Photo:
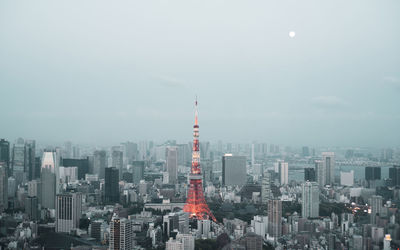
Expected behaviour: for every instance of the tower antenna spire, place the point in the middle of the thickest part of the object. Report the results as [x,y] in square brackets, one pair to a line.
[196,204]
[196,122]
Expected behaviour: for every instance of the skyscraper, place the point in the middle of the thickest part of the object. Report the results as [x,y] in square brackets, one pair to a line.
[310,200]
[394,174]
[328,162]
[68,211]
[233,170]
[3,187]
[117,160]
[305,151]
[266,191]
[309,174]
[320,173]
[31,207]
[172,163]
[121,234]
[347,178]
[372,173]
[30,162]
[130,151]
[49,179]
[138,171]
[19,161]
[283,173]
[5,154]
[111,186]
[275,218]
[99,163]
[81,164]
[376,207]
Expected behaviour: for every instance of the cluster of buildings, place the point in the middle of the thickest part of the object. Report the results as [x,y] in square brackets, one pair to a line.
[132,196]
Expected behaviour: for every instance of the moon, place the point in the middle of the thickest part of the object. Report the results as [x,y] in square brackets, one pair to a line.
[292,34]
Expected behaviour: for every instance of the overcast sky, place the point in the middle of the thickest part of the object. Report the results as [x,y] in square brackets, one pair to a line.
[110,71]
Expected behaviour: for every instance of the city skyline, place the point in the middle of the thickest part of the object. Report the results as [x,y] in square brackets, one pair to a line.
[100,143]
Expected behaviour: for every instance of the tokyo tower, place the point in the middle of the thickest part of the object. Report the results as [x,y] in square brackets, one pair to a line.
[196,205]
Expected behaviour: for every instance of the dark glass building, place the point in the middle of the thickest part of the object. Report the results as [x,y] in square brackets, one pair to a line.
[111,185]
[128,177]
[30,148]
[31,207]
[309,174]
[5,153]
[394,175]
[372,173]
[82,164]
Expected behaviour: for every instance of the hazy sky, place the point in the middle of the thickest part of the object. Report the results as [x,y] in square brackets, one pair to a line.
[110,71]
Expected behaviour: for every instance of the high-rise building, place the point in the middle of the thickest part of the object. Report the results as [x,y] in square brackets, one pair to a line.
[233,170]
[310,200]
[275,218]
[3,187]
[328,162]
[130,151]
[34,188]
[347,178]
[183,154]
[207,170]
[49,179]
[67,152]
[394,174]
[309,174]
[11,187]
[320,173]
[203,228]
[19,161]
[81,164]
[283,173]
[372,173]
[96,228]
[38,168]
[5,154]
[30,162]
[31,207]
[117,160]
[305,151]
[68,174]
[176,221]
[68,211]
[266,187]
[171,156]
[138,171]
[376,207]
[111,185]
[121,234]
[99,163]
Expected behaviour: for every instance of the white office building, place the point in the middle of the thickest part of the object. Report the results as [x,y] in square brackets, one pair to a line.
[310,200]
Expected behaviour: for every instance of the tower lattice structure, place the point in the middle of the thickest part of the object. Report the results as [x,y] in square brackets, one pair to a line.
[196,205]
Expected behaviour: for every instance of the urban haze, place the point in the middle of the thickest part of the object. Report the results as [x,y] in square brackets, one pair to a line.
[185,125]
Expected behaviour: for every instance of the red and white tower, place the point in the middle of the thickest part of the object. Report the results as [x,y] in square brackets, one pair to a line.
[196,205]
